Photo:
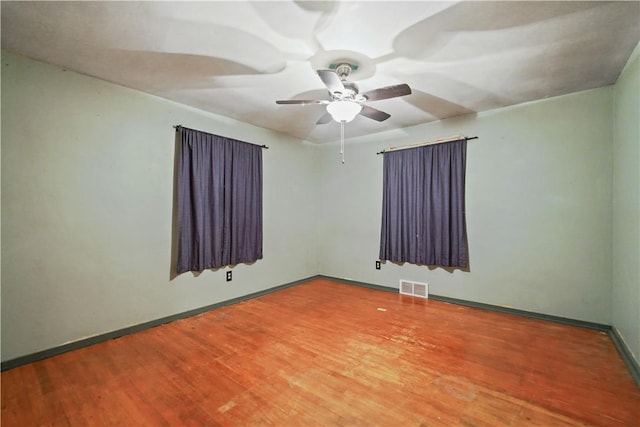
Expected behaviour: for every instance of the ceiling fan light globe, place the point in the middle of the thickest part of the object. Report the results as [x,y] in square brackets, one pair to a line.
[344,111]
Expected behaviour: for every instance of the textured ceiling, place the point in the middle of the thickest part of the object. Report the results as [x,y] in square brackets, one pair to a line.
[237,58]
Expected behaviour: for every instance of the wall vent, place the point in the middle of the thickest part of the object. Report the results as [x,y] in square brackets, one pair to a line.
[415,289]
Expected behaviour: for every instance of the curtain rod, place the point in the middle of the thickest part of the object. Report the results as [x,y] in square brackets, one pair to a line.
[437,141]
[176,127]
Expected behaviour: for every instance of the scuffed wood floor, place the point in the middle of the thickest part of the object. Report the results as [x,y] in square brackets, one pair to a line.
[329,354]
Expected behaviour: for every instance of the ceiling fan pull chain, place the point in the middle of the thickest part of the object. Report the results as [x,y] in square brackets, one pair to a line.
[342,141]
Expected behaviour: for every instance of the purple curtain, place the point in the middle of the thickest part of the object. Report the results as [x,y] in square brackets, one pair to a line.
[423,217]
[219,201]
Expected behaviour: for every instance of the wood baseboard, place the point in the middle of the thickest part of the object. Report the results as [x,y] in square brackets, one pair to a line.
[627,356]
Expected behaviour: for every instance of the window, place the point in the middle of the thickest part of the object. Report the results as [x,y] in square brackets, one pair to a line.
[219,201]
[423,217]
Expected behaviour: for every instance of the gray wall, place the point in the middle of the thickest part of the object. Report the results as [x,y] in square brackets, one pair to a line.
[87,193]
[626,206]
[538,205]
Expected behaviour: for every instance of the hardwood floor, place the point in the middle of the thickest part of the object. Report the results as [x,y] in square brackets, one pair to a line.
[324,353]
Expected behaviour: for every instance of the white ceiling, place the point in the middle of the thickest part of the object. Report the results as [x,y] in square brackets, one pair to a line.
[237,58]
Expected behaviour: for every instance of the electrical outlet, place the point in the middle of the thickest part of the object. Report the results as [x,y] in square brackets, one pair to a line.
[377,265]
[229,276]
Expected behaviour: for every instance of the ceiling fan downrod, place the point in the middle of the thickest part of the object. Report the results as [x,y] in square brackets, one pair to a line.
[343,70]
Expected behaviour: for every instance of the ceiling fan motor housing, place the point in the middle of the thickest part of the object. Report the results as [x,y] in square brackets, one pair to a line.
[350,92]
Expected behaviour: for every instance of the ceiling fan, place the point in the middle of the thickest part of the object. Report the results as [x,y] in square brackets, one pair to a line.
[346,100]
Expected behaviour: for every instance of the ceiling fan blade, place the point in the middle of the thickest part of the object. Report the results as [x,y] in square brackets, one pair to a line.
[331,80]
[326,118]
[302,101]
[388,92]
[374,114]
